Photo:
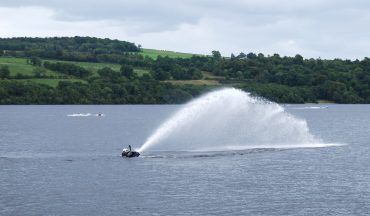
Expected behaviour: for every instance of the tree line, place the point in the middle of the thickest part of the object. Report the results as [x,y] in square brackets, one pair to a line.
[87,49]
[96,92]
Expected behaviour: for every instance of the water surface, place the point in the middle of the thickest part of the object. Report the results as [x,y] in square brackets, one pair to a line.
[55,164]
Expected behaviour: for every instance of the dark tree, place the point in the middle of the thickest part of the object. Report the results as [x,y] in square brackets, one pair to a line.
[35,61]
[4,72]
[67,68]
[216,54]
[109,74]
[298,59]
[39,72]
[127,71]
[251,56]
[242,55]
[160,74]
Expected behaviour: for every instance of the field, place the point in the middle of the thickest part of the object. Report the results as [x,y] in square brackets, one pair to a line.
[152,53]
[20,66]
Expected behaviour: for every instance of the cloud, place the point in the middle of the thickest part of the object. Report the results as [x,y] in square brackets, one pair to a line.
[315,28]
[39,22]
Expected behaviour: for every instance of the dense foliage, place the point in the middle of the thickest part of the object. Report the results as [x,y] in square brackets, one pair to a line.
[4,72]
[68,48]
[281,79]
[67,68]
[294,79]
[95,92]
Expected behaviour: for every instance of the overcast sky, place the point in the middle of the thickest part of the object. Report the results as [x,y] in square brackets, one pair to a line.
[312,28]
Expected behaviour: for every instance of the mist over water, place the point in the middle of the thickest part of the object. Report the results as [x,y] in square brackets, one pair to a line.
[230,119]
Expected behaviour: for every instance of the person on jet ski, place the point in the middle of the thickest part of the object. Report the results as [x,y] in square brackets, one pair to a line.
[130,153]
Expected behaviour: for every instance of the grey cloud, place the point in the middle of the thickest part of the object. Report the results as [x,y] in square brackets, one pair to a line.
[172,13]
[149,15]
[168,14]
[326,28]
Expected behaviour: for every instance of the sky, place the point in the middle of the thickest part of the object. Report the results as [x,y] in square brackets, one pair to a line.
[324,29]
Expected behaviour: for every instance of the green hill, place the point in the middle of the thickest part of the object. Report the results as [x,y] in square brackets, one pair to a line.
[85,70]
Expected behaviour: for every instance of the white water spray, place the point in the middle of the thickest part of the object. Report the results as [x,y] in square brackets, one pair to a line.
[230,119]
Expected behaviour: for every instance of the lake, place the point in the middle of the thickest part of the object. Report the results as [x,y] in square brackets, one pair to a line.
[55,161]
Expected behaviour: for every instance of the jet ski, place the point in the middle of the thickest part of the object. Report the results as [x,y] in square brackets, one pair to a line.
[129,153]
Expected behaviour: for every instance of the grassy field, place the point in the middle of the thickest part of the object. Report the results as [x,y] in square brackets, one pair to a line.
[152,53]
[20,66]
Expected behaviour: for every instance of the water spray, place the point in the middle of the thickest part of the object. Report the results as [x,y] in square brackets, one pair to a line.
[230,119]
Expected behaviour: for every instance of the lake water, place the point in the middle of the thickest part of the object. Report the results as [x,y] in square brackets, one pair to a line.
[55,164]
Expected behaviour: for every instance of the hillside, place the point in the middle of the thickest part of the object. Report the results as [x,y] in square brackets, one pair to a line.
[152,53]
[84,70]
